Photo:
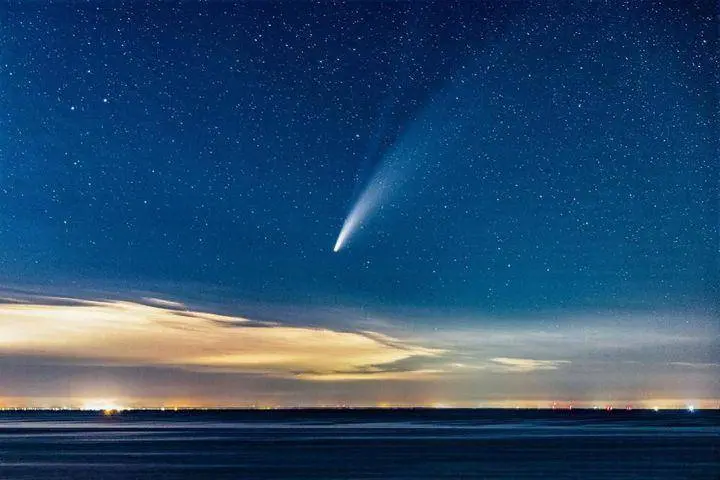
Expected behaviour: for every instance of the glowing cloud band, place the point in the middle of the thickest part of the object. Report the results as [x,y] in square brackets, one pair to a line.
[126,333]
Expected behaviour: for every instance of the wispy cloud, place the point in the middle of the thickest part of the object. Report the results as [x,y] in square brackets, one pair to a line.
[158,333]
[161,302]
[695,365]
[421,374]
[524,365]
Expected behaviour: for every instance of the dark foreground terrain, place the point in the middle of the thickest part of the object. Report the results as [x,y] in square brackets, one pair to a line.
[354,444]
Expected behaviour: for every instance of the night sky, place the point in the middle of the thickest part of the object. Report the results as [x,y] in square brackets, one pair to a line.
[531,189]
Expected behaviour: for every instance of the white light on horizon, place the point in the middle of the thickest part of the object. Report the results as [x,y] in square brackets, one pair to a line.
[102,405]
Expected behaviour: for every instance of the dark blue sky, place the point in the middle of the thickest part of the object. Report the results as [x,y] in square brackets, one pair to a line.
[544,159]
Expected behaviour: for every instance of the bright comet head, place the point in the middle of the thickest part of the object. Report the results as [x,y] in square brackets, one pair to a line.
[365,204]
[341,239]
[350,224]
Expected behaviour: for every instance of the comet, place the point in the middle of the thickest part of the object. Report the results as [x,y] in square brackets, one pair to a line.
[433,135]
[388,179]
[369,200]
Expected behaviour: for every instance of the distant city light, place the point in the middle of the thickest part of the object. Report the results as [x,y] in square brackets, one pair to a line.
[106,406]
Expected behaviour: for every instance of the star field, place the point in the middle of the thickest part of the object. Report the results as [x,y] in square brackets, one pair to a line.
[548,161]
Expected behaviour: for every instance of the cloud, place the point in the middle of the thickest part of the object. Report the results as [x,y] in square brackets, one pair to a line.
[524,365]
[159,334]
[422,374]
[161,302]
[695,365]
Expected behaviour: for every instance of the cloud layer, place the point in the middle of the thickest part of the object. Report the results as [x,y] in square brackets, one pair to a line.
[523,365]
[149,349]
[164,334]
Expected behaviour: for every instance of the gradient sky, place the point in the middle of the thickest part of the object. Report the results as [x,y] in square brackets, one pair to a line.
[537,188]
